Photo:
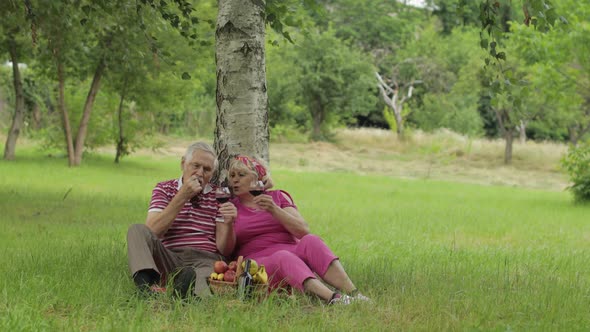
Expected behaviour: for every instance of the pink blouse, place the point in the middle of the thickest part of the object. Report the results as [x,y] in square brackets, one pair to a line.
[258,234]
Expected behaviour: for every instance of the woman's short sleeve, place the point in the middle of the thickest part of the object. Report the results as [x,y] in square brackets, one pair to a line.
[283,199]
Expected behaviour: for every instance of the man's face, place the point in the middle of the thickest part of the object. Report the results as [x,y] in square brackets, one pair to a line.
[200,165]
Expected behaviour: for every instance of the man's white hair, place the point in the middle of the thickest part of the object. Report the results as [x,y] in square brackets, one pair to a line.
[203,147]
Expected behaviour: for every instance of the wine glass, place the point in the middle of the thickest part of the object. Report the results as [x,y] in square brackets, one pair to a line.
[222,194]
[256,188]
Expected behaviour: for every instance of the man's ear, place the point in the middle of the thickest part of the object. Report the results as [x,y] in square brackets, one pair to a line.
[182,163]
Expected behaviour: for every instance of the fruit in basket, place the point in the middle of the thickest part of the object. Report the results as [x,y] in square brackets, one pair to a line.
[253,266]
[229,276]
[233,265]
[220,267]
[220,276]
[261,276]
[213,276]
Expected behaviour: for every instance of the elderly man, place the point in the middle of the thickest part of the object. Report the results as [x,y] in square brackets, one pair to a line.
[185,230]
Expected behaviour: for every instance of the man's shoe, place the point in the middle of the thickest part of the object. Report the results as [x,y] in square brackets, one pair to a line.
[184,281]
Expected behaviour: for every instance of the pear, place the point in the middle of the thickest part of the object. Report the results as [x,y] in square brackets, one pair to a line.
[253,267]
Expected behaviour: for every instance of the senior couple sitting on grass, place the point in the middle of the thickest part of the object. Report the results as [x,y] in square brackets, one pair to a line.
[187,230]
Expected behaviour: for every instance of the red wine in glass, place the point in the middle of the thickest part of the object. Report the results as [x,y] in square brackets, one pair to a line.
[256,188]
[256,192]
[222,194]
[222,199]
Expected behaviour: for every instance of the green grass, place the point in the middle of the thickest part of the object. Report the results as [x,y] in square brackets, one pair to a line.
[433,255]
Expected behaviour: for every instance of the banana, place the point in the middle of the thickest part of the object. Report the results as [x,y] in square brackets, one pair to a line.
[261,276]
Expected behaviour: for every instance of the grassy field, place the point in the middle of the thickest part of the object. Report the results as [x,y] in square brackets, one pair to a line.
[434,255]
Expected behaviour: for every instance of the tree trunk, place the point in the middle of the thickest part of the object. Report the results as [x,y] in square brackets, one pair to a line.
[522,132]
[317,119]
[573,134]
[36,116]
[19,108]
[509,137]
[121,150]
[242,104]
[61,104]
[399,122]
[83,128]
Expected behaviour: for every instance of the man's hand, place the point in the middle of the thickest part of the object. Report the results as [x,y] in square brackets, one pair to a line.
[192,187]
[229,212]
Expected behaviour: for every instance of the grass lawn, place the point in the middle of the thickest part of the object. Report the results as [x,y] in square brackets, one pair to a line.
[433,255]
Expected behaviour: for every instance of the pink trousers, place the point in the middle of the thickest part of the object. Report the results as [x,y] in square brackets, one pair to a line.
[294,263]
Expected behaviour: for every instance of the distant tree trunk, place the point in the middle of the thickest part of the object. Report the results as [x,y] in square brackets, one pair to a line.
[242,102]
[83,128]
[2,103]
[507,131]
[36,116]
[573,134]
[522,131]
[121,149]
[317,120]
[509,137]
[576,132]
[19,108]
[391,96]
[61,104]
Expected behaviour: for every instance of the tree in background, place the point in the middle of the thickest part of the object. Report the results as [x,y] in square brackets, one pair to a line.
[13,31]
[336,81]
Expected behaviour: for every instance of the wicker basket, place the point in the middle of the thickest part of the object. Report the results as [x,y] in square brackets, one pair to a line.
[219,287]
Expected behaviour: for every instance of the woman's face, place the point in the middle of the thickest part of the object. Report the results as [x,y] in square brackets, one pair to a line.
[240,180]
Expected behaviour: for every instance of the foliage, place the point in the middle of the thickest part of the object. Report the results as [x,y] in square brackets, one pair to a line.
[336,81]
[577,165]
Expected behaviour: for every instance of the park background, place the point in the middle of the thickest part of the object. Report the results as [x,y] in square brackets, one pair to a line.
[430,163]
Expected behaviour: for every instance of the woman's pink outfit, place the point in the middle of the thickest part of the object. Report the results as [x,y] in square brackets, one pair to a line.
[267,241]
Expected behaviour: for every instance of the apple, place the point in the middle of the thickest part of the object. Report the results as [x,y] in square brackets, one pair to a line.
[213,275]
[220,267]
[220,276]
[229,276]
[233,265]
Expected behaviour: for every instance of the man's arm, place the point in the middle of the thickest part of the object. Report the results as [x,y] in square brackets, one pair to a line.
[159,221]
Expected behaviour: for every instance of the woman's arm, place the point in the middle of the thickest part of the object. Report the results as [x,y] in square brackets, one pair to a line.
[225,236]
[291,219]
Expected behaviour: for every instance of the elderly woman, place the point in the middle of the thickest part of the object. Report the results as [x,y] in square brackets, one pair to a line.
[270,230]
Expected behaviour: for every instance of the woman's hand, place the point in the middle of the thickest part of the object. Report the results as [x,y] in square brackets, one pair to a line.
[229,212]
[265,202]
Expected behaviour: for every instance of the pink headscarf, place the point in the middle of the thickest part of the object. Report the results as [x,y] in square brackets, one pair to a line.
[252,164]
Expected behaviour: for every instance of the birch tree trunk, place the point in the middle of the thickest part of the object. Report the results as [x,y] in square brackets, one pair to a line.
[19,108]
[242,105]
[83,128]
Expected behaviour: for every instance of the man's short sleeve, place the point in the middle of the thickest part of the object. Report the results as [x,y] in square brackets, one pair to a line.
[160,199]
